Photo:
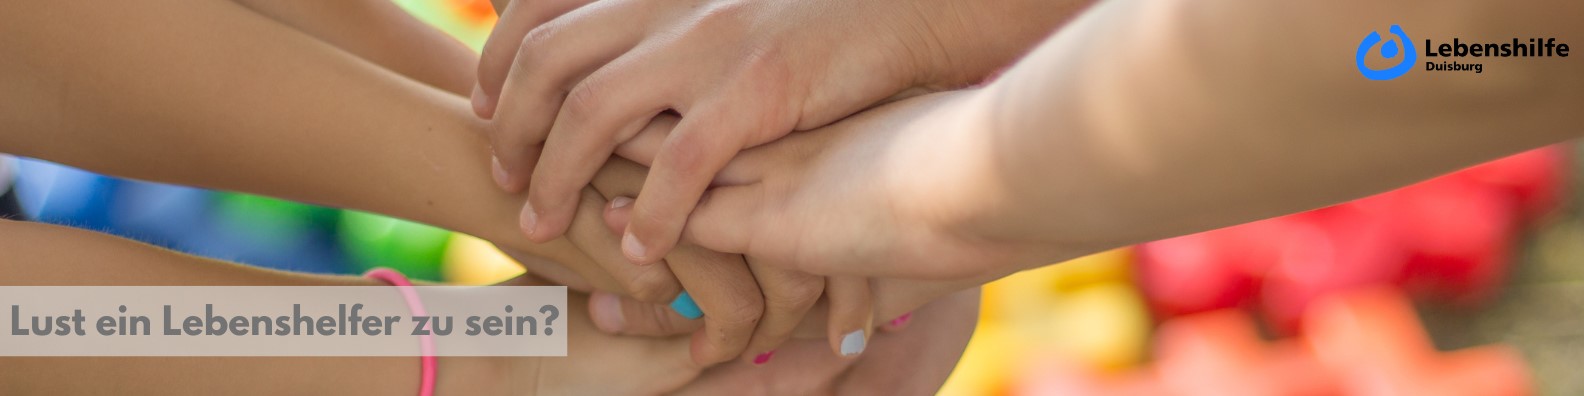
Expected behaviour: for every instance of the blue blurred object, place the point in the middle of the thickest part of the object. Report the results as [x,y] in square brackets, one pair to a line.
[234,227]
[7,163]
[9,209]
[161,214]
[58,194]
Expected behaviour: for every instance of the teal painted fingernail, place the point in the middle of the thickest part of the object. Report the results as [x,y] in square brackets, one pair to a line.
[685,306]
[853,343]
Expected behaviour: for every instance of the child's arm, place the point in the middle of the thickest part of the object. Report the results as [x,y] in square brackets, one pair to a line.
[214,95]
[1197,115]
[47,255]
[1143,120]
[380,32]
[210,94]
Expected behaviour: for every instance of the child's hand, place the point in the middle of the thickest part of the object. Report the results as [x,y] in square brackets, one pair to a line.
[928,350]
[741,73]
[789,296]
[647,365]
[870,196]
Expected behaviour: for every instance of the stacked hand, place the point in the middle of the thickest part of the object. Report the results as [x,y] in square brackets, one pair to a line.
[683,86]
[566,90]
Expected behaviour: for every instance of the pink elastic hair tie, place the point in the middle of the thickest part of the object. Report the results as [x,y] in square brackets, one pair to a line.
[426,386]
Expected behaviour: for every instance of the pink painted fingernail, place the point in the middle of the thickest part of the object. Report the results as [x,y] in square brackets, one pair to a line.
[529,220]
[481,103]
[501,178]
[605,310]
[901,320]
[764,357]
[635,249]
[620,202]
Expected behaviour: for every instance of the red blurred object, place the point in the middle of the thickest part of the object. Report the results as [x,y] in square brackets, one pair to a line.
[1342,248]
[1459,236]
[1219,353]
[1448,239]
[1194,273]
[1365,342]
[1534,178]
[1373,341]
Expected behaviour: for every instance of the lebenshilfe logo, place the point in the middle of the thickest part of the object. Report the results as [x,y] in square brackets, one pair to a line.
[1534,47]
[1387,51]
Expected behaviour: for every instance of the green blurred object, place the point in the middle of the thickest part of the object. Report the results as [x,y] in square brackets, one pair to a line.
[271,221]
[377,241]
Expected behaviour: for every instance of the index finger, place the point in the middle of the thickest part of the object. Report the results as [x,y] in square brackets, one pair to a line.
[516,20]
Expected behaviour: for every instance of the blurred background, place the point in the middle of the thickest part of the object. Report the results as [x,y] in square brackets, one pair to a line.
[1471,283]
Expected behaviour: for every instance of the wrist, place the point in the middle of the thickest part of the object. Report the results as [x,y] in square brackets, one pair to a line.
[944,178]
[982,190]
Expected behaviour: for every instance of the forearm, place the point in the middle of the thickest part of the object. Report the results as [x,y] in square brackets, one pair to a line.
[1145,120]
[381,32]
[47,255]
[213,95]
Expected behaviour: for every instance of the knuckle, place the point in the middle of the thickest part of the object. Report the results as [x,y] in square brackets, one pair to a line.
[798,295]
[740,312]
[766,60]
[734,15]
[583,101]
[687,154]
[650,287]
[590,199]
[536,41]
[537,38]
[647,222]
[548,193]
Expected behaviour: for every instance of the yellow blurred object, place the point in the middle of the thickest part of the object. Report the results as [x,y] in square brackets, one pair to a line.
[989,364]
[1085,311]
[1105,326]
[1028,294]
[473,261]
[1105,267]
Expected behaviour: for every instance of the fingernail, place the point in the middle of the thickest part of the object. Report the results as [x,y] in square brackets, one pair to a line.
[633,248]
[853,343]
[481,103]
[684,305]
[764,357]
[901,320]
[605,309]
[620,202]
[501,178]
[529,220]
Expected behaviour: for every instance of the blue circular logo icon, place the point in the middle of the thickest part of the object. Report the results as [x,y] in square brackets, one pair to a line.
[1388,50]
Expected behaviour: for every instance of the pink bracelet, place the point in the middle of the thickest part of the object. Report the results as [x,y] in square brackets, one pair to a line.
[426,386]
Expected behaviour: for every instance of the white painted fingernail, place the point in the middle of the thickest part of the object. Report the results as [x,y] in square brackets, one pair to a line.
[853,343]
